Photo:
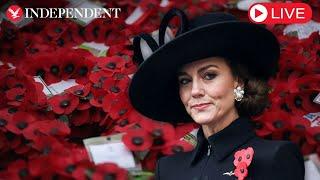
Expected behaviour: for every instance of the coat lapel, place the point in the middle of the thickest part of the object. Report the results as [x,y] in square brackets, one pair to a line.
[224,142]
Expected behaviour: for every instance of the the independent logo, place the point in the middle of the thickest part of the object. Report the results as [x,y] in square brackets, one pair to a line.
[14,13]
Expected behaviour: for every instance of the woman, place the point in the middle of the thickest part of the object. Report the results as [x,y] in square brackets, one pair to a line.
[214,73]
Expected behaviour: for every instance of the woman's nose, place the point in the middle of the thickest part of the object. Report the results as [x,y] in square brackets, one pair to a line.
[197,89]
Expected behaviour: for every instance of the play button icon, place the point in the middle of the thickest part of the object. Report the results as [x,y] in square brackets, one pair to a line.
[258,13]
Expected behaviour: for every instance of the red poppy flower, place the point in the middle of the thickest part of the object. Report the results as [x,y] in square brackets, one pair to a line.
[241,171]
[20,122]
[185,128]
[29,39]
[47,145]
[243,155]
[24,148]
[84,170]
[137,140]
[128,121]
[46,66]
[18,170]
[260,126]
[5,71]
[109,171]
[5,118]
[97,77]
[149,161]
[279,90]
[15,96]
[116,84]
[12,50]
[98,96]
[36,167]
[112,64]
[291,63]
[116,105]
[307,148]
[117,33]
[307,82]
[147,5]
[63,104]
[35,66]
[54,29]
[124,49]
[95,31]
[302,103]
[69,62]
[277,122]
[38,48]
[83,70]
[298,128]
[47,127]
[123,126]
[177,146]
[314,67]
[64,165]
[313,52]
[313,135]
[4,143]
[53,70]
[79,90]
[162,133]
[84,102]
[33,131]
[35,98]
[16,79]
[76,32]
[80,118]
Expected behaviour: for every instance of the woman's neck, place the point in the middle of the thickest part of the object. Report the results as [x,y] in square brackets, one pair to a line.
[219,124]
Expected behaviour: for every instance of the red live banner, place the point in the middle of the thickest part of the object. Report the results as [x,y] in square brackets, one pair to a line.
[280,13]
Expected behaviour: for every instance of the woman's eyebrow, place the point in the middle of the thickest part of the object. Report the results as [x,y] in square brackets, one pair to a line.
[207,66]
[200,70]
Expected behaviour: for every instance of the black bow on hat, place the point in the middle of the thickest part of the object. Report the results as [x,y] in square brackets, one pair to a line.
[153,45]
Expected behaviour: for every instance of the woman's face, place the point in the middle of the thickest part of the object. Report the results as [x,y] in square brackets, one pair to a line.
[206,90]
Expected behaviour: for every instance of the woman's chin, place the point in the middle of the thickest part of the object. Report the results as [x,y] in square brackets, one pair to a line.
[203,119]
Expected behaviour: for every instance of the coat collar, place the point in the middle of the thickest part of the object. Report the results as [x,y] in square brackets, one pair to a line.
[225,141]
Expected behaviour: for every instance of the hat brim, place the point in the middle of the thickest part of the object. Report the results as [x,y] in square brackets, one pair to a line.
[154,87]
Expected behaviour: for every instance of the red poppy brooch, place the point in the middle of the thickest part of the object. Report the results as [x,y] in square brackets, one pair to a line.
[242,160]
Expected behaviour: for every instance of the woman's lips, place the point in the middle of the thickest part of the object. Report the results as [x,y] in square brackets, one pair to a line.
[200,106]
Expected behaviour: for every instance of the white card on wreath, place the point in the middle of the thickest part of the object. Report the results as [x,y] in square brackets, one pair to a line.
[97,49]
[312,173]
[59,87]
[314,119]
[303,30]
[46,90]
[317,99]
[116,153]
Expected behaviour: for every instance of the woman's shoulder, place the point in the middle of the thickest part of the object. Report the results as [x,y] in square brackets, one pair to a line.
[172,165]
[274,147]
[282,159]
[176,158]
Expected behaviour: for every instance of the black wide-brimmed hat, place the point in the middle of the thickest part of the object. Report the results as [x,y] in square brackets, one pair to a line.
[154,90]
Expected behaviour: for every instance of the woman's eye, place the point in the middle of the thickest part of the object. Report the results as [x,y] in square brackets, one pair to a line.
[209,76]
[183,81]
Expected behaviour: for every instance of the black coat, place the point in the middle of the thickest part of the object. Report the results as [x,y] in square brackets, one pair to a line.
[272,160]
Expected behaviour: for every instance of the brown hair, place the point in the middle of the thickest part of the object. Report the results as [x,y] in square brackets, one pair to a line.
[255,98]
